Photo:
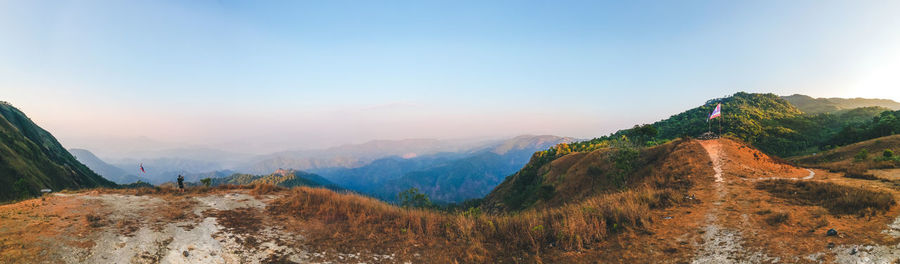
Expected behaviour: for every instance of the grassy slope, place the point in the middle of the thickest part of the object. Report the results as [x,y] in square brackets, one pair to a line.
[31,156]
[578,176]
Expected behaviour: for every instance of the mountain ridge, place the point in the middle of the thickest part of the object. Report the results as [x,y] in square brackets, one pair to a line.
[808,104]
[104,169]
[32,159]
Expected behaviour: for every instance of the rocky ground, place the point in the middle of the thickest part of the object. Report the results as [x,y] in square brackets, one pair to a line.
[230,227]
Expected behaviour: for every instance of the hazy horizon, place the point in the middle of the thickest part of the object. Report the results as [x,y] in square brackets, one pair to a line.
[260,77]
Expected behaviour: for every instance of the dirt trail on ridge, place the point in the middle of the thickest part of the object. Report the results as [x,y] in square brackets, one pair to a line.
[721,244]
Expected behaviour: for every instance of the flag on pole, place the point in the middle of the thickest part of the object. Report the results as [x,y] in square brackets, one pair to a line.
[716,113]
[142,168]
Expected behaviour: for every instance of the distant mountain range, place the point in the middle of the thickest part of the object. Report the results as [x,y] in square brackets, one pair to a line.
[811,105]
[281,177]
[445,177]
[106,170]
[31,159]
[160,170]
[356,155]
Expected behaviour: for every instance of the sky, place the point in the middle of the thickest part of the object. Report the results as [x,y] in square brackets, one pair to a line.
[263,76]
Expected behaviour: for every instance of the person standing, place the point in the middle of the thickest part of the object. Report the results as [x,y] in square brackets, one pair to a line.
[181,182]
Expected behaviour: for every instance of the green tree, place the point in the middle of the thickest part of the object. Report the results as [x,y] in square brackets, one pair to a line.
[624,159]
[862,155]
[641,134]
[206,181]
[413,198]
[888,153]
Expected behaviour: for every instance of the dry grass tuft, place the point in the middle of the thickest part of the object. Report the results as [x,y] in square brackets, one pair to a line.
[838,199]
[853,170]
[263,189]
[777,218]
[94,220]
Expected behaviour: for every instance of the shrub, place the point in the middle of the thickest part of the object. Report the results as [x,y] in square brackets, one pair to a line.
[413,198]
[888,153]
[777,218]
[206,182]
[94,221]
[263,189]
[625,160]
[858,172]
[862,155]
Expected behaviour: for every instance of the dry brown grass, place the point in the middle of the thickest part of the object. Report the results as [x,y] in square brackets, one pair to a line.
[777,218]
[570,227]
[585,220]
[94,220]
[838,199]
[263,189]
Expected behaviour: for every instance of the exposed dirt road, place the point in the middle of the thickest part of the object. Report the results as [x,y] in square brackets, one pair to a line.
[721,244]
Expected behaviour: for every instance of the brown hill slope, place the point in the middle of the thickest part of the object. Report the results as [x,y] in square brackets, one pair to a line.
[675,165]
[581,175]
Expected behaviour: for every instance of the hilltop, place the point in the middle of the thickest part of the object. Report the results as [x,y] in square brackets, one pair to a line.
[32,159]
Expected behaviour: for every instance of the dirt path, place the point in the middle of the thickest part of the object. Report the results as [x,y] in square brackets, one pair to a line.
[811,175]
[722,244]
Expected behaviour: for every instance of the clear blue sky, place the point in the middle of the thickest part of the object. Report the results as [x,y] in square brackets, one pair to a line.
[297,74]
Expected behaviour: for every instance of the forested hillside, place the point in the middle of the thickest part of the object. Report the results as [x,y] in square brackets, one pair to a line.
[31,159]
[884,124]
[766,121]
